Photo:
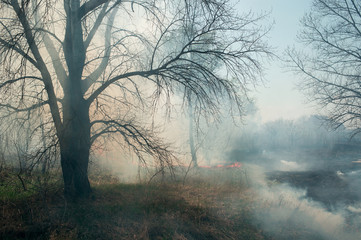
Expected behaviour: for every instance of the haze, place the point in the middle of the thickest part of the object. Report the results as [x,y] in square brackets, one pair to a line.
[149,119]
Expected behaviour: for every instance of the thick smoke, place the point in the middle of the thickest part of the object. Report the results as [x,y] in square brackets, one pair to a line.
[305,176]
[287,213]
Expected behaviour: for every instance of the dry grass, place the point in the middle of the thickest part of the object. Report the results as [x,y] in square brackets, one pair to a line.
[203,207]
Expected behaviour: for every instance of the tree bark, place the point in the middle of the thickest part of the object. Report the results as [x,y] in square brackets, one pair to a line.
[75,133]
[75,148]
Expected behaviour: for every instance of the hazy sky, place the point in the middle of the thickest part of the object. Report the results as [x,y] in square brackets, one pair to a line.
[280,98]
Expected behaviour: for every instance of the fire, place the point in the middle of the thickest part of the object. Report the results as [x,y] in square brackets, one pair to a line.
[233,165]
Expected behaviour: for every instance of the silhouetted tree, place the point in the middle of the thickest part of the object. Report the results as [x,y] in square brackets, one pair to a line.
[331,60]
[91,67]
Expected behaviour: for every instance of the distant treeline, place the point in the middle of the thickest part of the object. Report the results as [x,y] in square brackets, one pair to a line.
[305,133]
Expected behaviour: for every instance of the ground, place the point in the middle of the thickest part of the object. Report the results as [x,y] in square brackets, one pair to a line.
[190,209]
[209,203]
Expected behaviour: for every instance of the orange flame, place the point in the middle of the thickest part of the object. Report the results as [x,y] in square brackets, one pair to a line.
[234,165]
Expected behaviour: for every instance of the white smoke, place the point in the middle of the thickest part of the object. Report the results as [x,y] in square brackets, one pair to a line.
[286,212]
[289,166]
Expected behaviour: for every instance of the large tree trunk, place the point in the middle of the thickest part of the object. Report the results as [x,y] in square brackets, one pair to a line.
[75,148]
[75,135]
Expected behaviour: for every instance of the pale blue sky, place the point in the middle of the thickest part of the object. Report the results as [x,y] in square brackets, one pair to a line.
[280,98]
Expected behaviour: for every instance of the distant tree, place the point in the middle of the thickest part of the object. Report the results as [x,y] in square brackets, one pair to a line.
[331,60]
[193,113]
[91,68]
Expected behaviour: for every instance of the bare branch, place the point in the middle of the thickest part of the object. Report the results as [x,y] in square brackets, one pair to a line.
[9,46]
[107,48]
[8,82]
[139,140]
[96,25]
[27,109]
[40,64]
[89,6]
[56,61]
[331,72]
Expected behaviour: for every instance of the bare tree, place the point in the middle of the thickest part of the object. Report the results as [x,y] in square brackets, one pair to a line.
[92,67]
[331,61]
[187,33]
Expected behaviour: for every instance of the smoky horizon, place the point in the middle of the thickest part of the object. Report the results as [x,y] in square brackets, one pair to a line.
[180,119]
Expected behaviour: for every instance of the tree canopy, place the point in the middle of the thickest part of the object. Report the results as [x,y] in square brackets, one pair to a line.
[331,60]
[88,69]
